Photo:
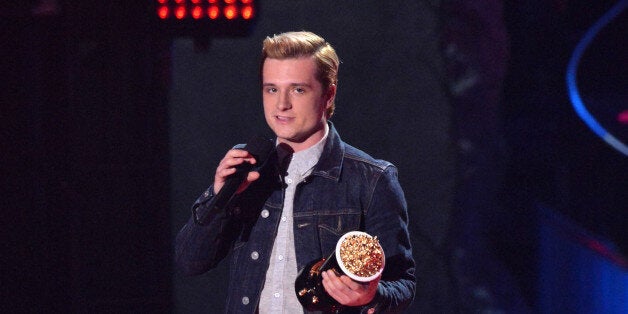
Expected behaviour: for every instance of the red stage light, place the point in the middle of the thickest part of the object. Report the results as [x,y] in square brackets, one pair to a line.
[247,12]
[163,12]
[180,12]
[231,12]
[197,12]
[206,17]
[212,9]
[213,12]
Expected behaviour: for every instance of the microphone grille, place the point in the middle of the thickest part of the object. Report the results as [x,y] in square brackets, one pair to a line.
[260,147]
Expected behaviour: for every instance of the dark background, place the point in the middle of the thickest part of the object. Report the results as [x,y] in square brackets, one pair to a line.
[112,126]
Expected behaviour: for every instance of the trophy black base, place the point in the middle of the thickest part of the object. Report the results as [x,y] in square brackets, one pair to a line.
[309,286]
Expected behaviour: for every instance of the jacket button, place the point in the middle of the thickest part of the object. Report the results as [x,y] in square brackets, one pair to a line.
[206,194]
[245,300]
[265,213]
[254,255]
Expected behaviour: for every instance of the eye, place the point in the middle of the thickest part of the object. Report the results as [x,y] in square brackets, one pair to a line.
[271,90]
[299,90]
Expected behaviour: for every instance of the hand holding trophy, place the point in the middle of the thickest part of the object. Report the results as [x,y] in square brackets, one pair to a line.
[357,255]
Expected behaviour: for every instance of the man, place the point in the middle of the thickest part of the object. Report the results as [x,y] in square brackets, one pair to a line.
[293,209]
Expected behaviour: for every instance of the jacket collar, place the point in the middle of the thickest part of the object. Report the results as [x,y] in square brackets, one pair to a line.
[330,163]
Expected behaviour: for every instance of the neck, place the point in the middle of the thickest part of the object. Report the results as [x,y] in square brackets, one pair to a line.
[310,141]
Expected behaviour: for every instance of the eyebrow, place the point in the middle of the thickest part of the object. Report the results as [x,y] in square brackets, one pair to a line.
[291,84]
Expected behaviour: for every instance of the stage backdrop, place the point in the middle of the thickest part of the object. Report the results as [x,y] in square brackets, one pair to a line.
[391,103]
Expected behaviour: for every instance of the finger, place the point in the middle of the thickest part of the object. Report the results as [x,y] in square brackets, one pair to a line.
[243,154]
[330,282]
[352,284]
[239,153]
[336,288]
[221,176]
[228,165]
[224,172]
[349,292]
[252,176]
[235,155]
[331,290]
[232,161]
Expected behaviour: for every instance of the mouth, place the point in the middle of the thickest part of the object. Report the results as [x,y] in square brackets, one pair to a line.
[283,118]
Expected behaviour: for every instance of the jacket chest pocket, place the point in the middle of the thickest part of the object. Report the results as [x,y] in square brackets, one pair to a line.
[331,226]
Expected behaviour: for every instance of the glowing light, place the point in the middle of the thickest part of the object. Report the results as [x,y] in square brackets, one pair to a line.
[163,12]
[197,12]
[247,12]
[180,12]
[213,12]
[231,12]
[622,117]
[572,85]
[215,17]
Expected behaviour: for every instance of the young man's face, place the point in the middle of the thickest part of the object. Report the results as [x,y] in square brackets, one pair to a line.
[295,101]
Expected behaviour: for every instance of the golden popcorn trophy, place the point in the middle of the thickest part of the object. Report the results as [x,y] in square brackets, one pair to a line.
[357,255]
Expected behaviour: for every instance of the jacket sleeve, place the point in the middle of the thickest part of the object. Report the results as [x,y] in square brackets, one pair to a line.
[199,248]
[387,218]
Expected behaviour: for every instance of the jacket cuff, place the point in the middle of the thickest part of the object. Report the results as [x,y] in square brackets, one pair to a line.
[201,212]
[373,306]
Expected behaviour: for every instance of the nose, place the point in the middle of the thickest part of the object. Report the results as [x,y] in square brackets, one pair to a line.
[283,101]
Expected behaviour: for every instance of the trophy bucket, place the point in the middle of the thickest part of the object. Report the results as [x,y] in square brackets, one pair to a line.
[360,256]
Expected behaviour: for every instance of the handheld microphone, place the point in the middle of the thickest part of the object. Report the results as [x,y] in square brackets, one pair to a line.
[257,146]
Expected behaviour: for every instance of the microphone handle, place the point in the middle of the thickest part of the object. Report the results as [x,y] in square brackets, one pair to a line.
[232,184]
[260,148]
[220,201]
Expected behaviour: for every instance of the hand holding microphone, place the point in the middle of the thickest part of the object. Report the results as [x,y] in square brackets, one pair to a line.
[236,160]
[234,173]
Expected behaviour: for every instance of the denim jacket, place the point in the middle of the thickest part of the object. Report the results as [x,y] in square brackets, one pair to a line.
[347,190]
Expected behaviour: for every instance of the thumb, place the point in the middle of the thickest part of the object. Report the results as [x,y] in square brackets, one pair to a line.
[252,176]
